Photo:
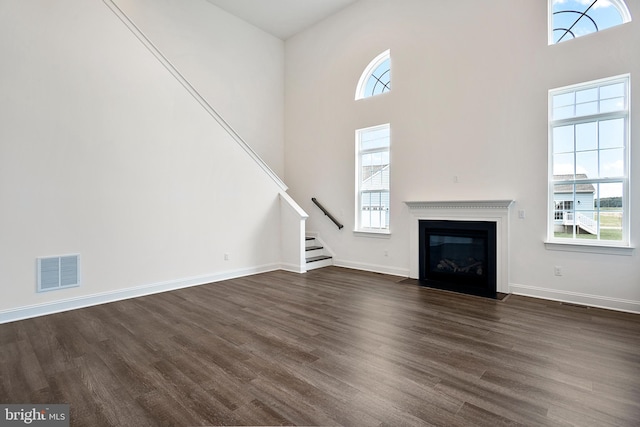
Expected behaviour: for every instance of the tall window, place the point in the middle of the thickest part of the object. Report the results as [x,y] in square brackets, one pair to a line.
[589,162]
[372,180]
[574,18]
[376,78]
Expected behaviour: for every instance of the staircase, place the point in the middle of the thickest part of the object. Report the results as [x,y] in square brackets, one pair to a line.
[584,222]
[316,255]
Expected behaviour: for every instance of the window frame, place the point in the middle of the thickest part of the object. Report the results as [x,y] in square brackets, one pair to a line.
[586,245]
[620,5]
[368,72]
[358,180]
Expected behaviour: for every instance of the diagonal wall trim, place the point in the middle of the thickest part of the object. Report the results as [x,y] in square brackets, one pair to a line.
[189,87]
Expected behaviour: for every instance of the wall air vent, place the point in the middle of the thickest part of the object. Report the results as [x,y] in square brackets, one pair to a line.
[58,272]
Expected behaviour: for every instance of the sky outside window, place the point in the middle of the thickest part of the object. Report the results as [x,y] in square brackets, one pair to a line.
[593,147]
[569,23]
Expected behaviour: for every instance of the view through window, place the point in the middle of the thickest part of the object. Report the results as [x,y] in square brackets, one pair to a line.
[372,179]
[576,18]
[376,78]
[589,178]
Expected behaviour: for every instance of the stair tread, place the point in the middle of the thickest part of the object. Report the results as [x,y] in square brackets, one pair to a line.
[318,258]
[313,248]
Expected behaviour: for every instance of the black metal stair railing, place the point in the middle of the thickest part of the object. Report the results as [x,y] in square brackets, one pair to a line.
[331,217]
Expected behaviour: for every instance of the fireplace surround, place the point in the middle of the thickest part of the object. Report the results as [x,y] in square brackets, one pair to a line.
[492,211]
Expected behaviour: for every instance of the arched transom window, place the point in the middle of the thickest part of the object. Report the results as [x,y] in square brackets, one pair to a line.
[574,18]
[376,78]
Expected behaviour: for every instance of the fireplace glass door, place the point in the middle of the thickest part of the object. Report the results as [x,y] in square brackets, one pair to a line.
[459,256]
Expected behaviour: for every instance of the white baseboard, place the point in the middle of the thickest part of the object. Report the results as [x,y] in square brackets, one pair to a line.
[576,298]
[292,268]
[27,312]
[392,271]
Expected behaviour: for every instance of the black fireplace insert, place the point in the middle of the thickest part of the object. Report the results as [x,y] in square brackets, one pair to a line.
[459,256]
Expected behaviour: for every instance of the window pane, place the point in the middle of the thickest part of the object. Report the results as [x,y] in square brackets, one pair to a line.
[374,173]
[587,109]
[609,196]
[587,164]
[367,160]
[612,163]
[575,18]
[563,139]
[375,199]
[585,200]
[609,105]
[564,100]
[563,112]
[561,206]
[366,170]
[563,193]
[380,80]
[384,212]
[586,224]
[584,197]
[609,211]
[365,210]
[606,14]
[611,133]
[374,210]
[612,91]
[564,105]
[587,136]
[587,95]
[563,164]
[563,215]
[374,138]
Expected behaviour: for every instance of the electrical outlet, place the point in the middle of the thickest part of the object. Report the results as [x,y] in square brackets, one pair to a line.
[227,257]
[557,270]
[522,214]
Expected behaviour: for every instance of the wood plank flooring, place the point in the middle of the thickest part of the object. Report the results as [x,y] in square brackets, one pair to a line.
[330,347]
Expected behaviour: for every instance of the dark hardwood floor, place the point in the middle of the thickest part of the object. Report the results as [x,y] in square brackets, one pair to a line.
[331,347]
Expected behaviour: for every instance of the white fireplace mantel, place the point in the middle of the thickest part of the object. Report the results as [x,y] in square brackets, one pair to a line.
[497,211]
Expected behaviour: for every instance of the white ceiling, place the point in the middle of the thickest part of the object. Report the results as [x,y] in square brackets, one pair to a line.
[282,18]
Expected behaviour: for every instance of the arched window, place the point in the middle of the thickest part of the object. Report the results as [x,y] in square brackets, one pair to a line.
[376,78]
[574,18]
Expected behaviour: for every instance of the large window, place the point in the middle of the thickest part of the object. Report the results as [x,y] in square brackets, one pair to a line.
[372,179]
[589,163]
[574,18]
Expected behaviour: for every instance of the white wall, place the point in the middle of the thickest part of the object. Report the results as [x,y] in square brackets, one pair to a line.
[469,100]
[237,67]
[103,153]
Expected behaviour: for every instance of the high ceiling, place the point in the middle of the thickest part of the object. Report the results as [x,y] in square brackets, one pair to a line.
[282,18]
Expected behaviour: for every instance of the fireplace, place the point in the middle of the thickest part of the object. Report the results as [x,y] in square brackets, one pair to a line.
[497,212]
[458,256]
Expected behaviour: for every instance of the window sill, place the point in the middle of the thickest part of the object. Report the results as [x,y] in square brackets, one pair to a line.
[382,234]
[589,248]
